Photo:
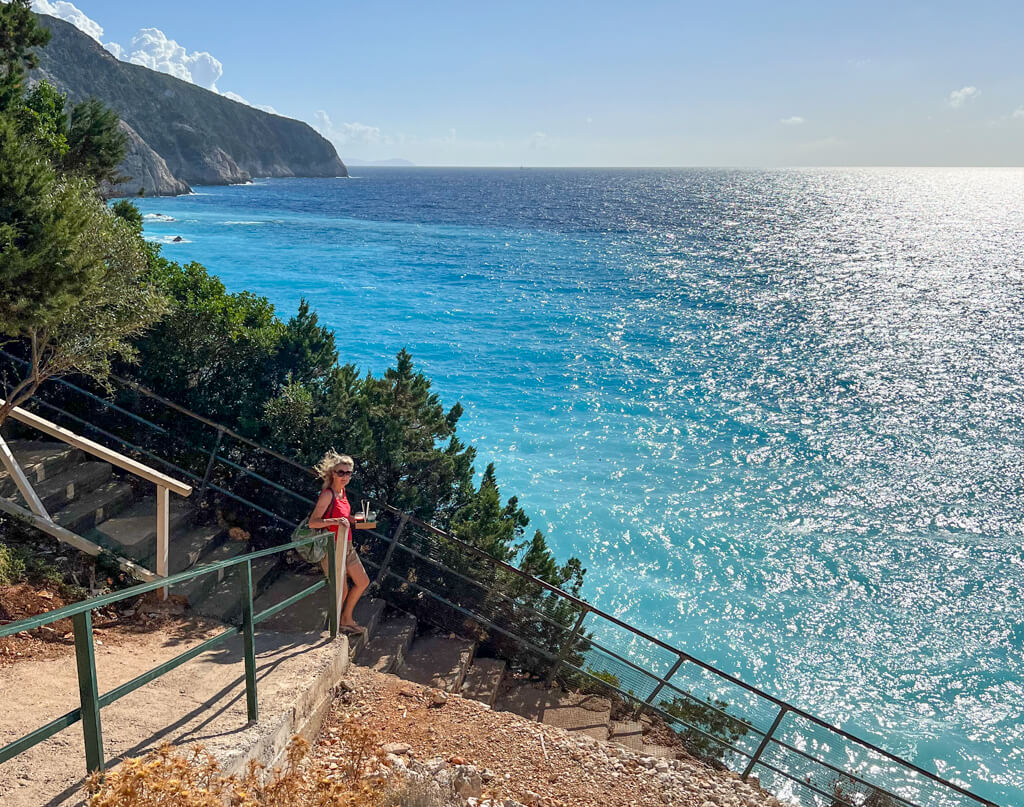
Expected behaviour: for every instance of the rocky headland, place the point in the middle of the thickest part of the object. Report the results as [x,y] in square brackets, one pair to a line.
[180,134]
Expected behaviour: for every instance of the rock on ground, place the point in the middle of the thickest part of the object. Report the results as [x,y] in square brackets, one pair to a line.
[483,758]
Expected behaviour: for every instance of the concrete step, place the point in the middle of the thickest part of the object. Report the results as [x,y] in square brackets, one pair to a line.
[39,460]
[483,679]
[195,589]
[438,662]
[386,650]
[654,727]
[659,751]
[224,601]
[628,733]
[369,613]
[189,545]
[72,483]
[133,531]
[103,503]
[306,616]
[311,614]
[585,714]
[574,712]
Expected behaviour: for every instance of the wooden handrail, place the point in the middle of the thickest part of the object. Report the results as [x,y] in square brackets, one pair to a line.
[100,451]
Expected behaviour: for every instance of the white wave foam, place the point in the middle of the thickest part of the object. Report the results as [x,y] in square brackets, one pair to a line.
[157,217]
[229,223]
[168,239]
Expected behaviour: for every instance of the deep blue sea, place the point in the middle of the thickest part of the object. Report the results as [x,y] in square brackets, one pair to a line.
[779,415]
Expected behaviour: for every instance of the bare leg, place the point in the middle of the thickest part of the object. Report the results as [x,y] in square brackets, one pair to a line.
[360,582]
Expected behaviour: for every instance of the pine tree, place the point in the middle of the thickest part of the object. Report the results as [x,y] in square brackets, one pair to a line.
[20,33]
[72,294]
[402,426]
[96,142]
[43,121]
[485,524]
[306,352]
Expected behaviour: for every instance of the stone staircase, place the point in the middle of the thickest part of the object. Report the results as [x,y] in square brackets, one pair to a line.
[448,663]
[91,499]
[101,504]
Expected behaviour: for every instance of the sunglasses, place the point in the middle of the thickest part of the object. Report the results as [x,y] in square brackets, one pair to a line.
[343,473]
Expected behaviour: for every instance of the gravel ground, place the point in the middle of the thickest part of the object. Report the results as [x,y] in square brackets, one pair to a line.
[502,759]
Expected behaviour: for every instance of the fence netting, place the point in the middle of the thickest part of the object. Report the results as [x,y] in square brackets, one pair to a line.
[541,633]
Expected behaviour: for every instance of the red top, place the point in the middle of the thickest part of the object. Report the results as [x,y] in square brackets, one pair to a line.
[339,508]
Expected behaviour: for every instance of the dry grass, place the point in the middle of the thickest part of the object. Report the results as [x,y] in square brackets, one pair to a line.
[170,777]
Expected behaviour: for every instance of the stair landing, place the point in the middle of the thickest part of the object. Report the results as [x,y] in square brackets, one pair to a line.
[483,680]
[438,662]
[574,712]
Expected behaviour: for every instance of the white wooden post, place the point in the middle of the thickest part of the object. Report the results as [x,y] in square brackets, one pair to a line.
[163,527]
[18,475]
[340,576]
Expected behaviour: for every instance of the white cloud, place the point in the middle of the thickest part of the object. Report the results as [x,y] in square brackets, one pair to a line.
[537,140]
[347,133]
[70,13]
[1018,113]
[234,96]
[958,98]
[151,48]
[795,120]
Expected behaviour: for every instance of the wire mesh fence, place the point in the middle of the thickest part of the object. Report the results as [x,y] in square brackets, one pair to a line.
[539,630]
[718,718]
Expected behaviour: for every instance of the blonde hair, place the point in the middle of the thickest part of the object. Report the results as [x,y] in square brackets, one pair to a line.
[325,467]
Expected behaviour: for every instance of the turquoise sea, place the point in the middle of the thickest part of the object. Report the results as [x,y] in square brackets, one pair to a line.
[778,414]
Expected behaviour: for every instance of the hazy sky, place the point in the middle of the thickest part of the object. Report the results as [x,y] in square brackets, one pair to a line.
[606,83]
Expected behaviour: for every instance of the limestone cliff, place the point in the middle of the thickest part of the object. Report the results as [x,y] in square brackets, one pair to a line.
[146,171]
[202,138]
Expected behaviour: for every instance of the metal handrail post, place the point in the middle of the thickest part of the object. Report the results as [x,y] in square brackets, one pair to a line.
[668,677]
[391,549]
[566,645]
[88,693]
[764,742]
[249,642]
[210,462]
[332,588]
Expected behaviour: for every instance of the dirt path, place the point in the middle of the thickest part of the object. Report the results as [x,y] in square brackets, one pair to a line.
[202,701]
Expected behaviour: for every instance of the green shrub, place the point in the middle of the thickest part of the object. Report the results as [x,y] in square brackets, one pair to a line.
[846,793]
[701,719]
[609,678]
[12,565]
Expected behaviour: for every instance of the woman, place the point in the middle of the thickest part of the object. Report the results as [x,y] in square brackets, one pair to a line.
[332,511]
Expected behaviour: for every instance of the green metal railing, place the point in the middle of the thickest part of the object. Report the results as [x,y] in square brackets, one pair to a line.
[91,701]
[546,631]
